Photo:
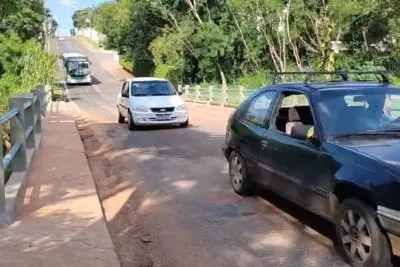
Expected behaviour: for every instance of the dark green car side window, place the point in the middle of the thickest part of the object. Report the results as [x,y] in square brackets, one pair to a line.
[259,107]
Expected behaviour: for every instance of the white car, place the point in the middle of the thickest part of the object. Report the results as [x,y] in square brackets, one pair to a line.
[61,39]
[151,101]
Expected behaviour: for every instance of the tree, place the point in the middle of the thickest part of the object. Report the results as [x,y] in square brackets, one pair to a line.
[80,16]
[113,20]
[24,17]
[192,41]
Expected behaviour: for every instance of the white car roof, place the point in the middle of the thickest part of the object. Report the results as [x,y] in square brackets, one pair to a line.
[66,55]
[147,79]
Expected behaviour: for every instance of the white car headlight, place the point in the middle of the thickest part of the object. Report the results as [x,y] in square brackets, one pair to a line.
[181,107]
[141,109]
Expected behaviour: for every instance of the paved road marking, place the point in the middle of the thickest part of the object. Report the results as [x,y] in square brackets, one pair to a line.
[97,89]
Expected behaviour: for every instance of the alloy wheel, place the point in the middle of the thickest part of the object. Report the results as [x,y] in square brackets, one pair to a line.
[236,172]
[355,236]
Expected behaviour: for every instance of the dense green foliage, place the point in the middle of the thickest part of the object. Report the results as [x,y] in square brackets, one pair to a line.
[23,62]
[24,17]
[81,18]
[238,41]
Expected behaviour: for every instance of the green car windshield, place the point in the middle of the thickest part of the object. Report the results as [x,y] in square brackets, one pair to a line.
[354,111]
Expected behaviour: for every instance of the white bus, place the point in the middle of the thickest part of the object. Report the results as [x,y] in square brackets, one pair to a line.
[77,68]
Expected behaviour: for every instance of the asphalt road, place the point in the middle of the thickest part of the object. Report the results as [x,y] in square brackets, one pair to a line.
[166,194]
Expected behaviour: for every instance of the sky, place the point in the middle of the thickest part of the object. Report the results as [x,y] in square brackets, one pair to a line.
[62,11]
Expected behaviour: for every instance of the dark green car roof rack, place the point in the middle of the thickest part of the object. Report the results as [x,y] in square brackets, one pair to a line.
[382,76]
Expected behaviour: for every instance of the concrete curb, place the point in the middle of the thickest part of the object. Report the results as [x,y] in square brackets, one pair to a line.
[16,185]
[64,226]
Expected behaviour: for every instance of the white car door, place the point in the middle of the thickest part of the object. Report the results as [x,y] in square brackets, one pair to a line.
[123,99]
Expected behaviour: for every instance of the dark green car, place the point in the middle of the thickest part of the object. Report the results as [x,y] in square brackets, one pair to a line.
[331,147]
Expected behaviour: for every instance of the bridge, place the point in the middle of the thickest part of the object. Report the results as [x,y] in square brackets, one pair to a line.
[165,193]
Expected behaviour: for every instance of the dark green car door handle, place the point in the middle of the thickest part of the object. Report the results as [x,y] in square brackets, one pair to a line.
[264,143]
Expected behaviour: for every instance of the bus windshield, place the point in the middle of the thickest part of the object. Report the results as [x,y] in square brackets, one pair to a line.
[77,67]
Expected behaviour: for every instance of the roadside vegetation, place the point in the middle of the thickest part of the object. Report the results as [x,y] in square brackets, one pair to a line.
[238,42]
[24,63]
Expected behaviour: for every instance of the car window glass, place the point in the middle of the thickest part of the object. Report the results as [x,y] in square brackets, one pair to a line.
[123,88]
[293,100]
[294,115]
[351,112]
[258,108]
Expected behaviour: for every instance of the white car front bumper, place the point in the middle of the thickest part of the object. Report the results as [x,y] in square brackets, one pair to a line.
[156,118]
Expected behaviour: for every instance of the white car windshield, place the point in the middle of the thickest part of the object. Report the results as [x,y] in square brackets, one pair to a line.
[152,88]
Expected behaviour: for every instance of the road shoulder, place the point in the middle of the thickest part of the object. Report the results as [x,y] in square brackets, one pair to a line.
[60,220]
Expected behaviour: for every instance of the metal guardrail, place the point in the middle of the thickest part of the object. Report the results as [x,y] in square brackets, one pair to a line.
[229,97]
[25,117]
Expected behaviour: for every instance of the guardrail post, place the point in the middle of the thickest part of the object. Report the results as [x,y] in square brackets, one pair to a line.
[198,94]
[17,129]
[241,94]
[224,95]
[187,92]
[2,183]
[30,121]
[47,99]
[40,88]
[180,89]
[210,94]
[38,115]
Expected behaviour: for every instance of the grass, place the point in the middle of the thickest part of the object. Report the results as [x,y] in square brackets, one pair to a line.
[57,93]
[126,63]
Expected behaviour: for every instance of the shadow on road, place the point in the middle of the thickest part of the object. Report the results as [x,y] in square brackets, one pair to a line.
[304,217]
[168,201]
[159,127]
[55,221]
[95,81]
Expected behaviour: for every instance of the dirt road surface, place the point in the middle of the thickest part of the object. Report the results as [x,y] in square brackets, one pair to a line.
[166,194]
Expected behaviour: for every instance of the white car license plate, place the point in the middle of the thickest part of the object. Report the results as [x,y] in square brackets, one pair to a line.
[163,117]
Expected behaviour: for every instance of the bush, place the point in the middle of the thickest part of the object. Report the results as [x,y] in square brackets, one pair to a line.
[255,81]
[126,63]
[141,68]
[170,73]
[23,65]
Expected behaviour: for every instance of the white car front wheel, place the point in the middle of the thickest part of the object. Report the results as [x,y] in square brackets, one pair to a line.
[131,123]
[185,124]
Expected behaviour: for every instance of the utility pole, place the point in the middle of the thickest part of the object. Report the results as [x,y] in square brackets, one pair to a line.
[89,21]
[46,36]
